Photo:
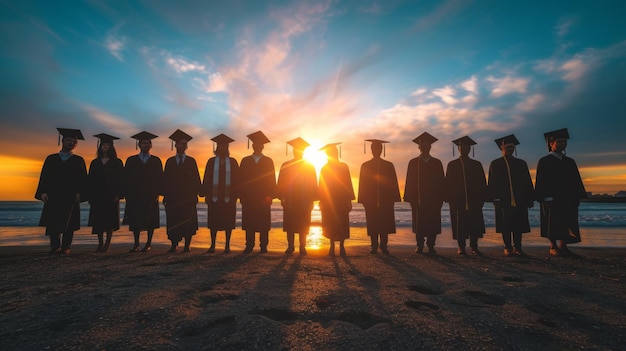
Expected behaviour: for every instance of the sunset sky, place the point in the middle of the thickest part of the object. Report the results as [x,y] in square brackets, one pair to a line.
[327,71]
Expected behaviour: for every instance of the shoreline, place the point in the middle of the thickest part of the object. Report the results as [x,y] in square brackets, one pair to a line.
[599,237]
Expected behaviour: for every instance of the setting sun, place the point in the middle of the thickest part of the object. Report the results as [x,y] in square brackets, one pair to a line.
[315,157]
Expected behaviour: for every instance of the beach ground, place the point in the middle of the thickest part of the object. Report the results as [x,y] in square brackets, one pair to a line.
[192,301]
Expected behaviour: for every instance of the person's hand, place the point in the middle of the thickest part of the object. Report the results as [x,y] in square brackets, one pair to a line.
[531,204]
[44,197]
[77,198]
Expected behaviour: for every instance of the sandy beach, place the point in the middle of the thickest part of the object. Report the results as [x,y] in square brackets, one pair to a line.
[189,301]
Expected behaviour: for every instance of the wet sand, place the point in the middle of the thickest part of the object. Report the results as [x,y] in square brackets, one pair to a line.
[188,301]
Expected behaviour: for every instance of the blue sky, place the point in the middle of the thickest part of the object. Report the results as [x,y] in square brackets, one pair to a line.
[327,71]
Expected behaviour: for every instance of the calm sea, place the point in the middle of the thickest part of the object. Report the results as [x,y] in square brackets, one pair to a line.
[599,215]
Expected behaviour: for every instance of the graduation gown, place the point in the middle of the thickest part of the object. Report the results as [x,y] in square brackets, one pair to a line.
[560,180]
[336,195]
[425,190]
[221,199]
[143,183]
[256,191]
[181,186]
[61,180]
[378,192]
[466,191]
[297,190]
[510,183]
[104,185]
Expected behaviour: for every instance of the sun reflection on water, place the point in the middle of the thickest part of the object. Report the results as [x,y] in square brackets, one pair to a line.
[315,239]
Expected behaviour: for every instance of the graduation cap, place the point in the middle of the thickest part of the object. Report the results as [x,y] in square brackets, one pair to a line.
[143,136]
[507,140]
[425,138]
[71,133]
[179,135]
[297,144]
[464,140]
[376,142]
[222,139]
[327,147]
[257,138]
[105,138]
[555,135]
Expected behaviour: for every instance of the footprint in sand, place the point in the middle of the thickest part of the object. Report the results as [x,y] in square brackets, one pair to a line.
[276,314]
[486,298]
[363,320]
[425,290]
[419,304]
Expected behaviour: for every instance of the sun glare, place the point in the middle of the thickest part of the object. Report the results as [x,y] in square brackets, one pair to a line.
[315,157]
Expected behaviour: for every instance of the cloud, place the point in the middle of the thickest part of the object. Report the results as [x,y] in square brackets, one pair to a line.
[181,65]
[530,103]
[446,94]
[115,45]
[471,85]
[564,26]
[442,12]
[108,120]
[507,85]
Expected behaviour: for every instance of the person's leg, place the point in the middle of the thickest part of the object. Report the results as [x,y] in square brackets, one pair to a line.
[554,248]
[506,239]
[517,244]
[213,239]
[107,242]
[331,251]
[228,232]
[264,239]
[290,242]
[136,238]
[302,240]
[342,248]
[431,244]
[461,243]
[419,239]
[148,246]
[66,243]
[55,243]
[249,241]
[474,245]
[374,242]
[100,241]
[384,239]
[173,246]
[187,243]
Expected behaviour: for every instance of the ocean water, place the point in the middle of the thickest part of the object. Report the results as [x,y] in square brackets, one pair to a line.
[592,215]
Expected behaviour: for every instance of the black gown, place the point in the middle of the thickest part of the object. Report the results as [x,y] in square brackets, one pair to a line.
[297,190]
[336,195]
[142,185]
[257,189]
[378,192]
[61,180]
[425,191]
[221,199]
[105,184]
[560,180]
[181,186]
[466,192]
[515,194]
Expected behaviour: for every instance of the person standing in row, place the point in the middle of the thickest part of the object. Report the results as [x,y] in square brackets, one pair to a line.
[466,185]
[61,185]
[297,190]
[181,185]
[257,189]
[425,191]
[336,195]
[219,189]
[143,180]
[510,188]
[105,184]
[378,192]
[559,189]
